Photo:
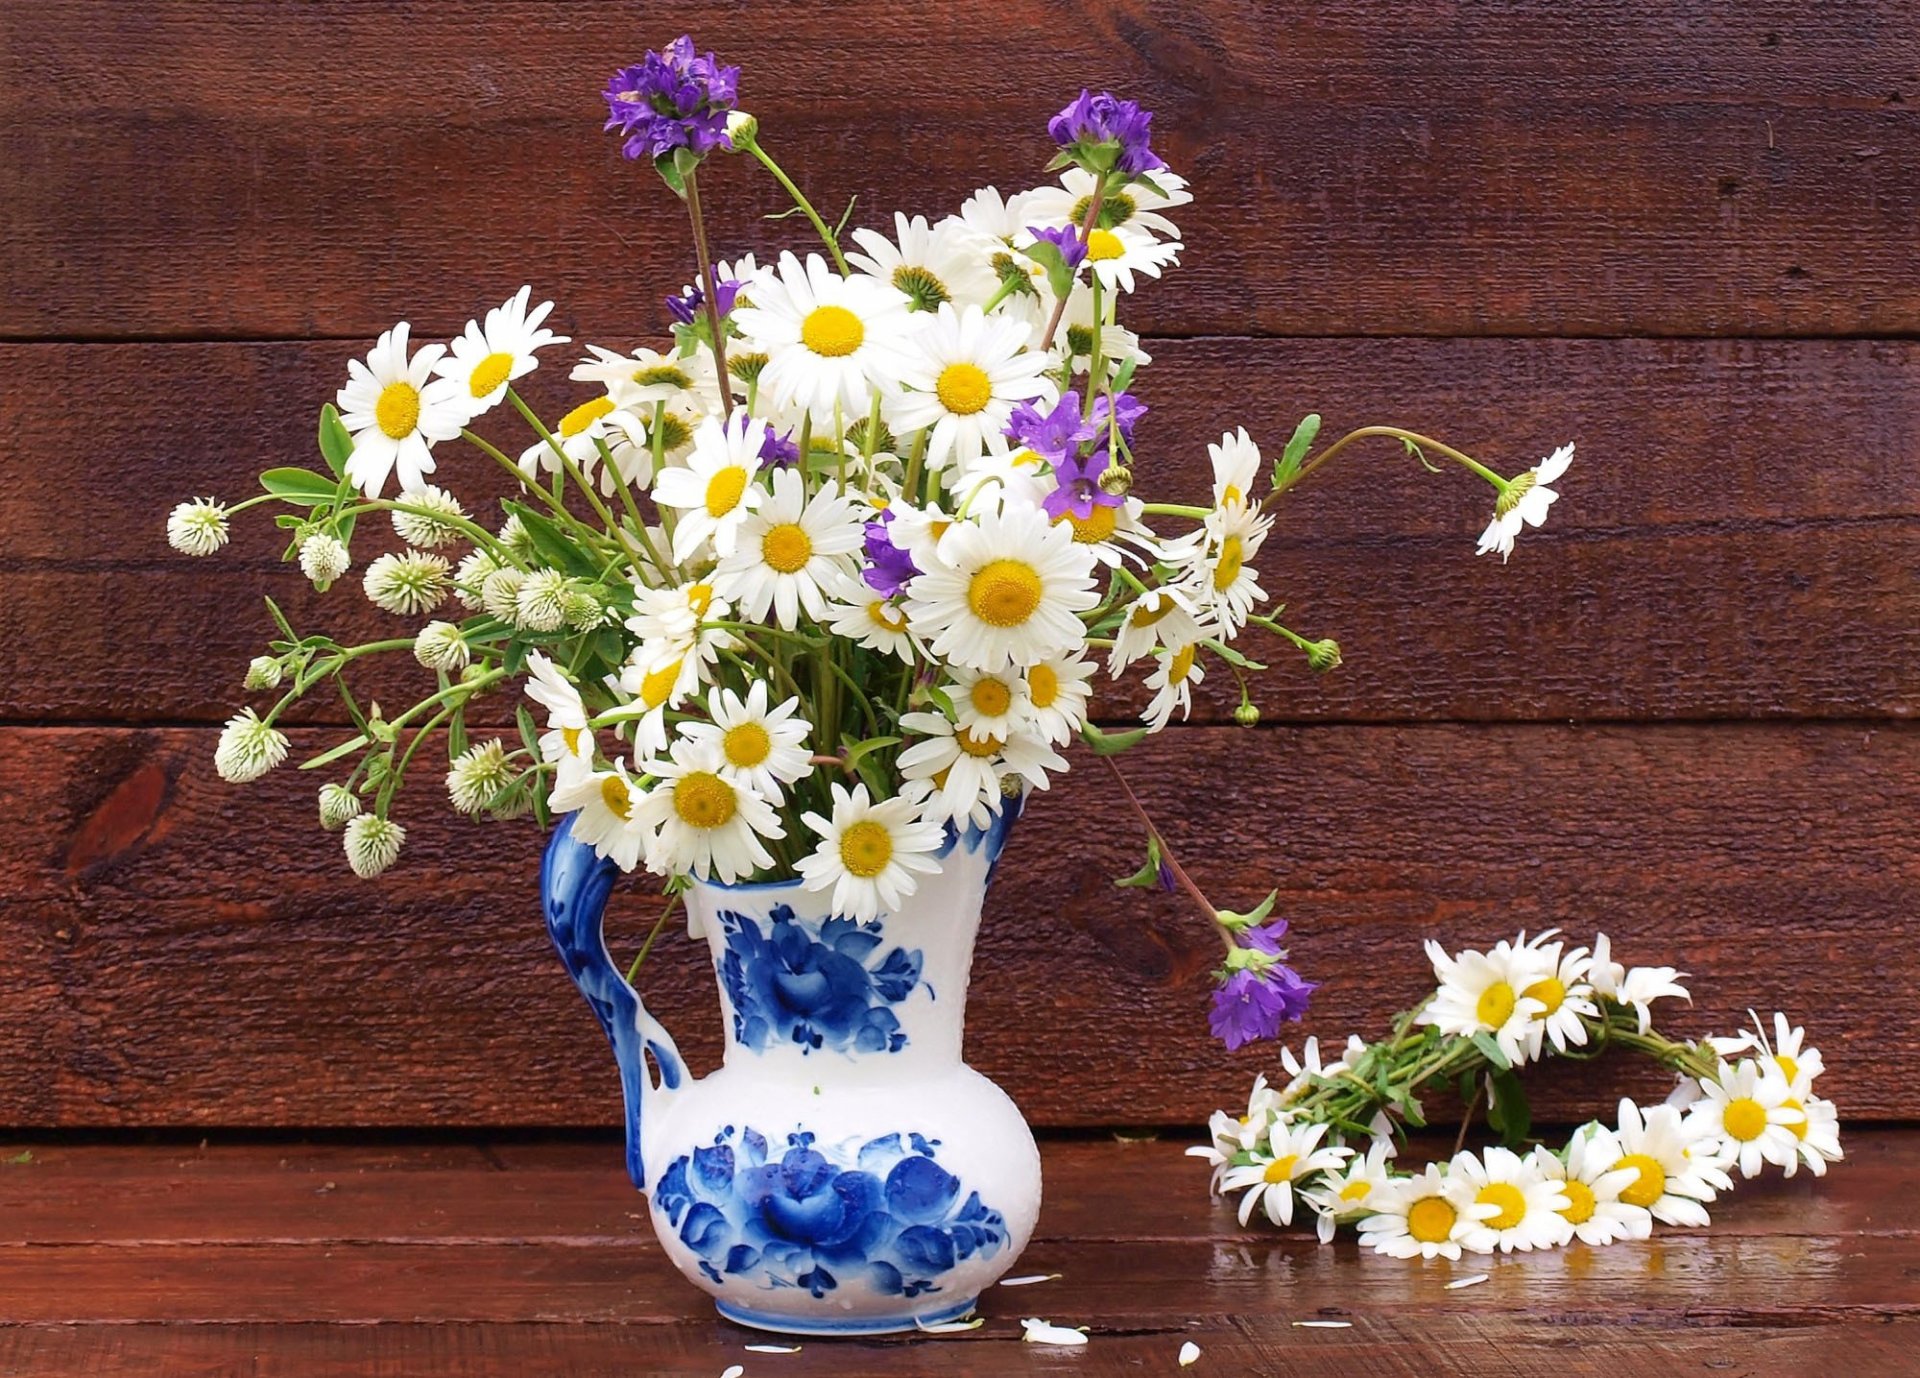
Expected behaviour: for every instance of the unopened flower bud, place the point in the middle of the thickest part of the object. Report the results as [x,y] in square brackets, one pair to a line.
[474,673]
[583,609]
[338,806]
[1323,656]
[1247,714]
[742,130]
[1116,480]
[440,646]
[263,672]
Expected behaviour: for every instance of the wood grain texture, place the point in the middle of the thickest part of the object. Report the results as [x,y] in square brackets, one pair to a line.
[1593,167]
[1738,536]
[536,1259]
[185,953]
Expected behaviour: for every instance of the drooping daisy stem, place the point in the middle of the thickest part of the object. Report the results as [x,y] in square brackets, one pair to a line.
[1413,438]
[806,206]
[707,287]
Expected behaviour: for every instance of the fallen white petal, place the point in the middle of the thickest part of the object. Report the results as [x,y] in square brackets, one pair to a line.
[1039,1332]
[773,1349]
[1189,1354]
[1473,1281]
[950,1327]
[1029,1279]
[1323,1325]
[734,1372]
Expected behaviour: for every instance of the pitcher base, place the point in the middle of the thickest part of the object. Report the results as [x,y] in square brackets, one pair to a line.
[842,1325]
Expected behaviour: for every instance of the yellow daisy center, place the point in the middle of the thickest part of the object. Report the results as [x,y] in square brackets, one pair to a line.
[990,697]
[614,794]
[1043,686]
[1513,1205]
[884,614]
[865,849]
[1228,568]
[1097,526]
[1799,1126]
[584,416]
[1495,1006]
[1281,1169]
[489,373]
[724,490]
[704,800]
[1356,1190]
[1151,609]
[1104,244]
[963,389]
[976,746]
[787,548]
[1548,991]
[571,736]
[1231,495]
[1787,1065]
[658,684]
[1745,1118]
[398,410]
[832,331]
[1026,459]
[1004,593]
[1430,1219]
[747,745]
[1181,666]
[1649,1186]
[1580,1202]
[699,599]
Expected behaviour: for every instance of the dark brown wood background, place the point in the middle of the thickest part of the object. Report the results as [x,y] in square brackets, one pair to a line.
[1686,235]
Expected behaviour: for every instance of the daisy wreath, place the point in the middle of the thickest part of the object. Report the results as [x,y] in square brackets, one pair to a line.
[831,571]
[1324,1143]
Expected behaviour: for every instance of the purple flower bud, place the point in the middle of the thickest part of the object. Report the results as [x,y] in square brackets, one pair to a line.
[1092,121]
[1073,249]
[672,99]
[781,451]
[686,306]
[889,568]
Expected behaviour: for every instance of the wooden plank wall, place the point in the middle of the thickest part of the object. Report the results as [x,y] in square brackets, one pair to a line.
[1684,234]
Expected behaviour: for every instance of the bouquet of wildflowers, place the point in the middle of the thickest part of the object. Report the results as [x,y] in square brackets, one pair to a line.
[835,567]
[1325,1142]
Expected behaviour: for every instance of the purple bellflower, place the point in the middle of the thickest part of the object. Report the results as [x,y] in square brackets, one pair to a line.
[1107,132]
[1126,409]
[889,568]
[687,306]
[1053,435]
[1260,991]
[672,99]
[1079,489]
[1073,249]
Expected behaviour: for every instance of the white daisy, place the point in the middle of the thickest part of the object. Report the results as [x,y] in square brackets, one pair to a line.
[827,339]
[1524,500]
[1348,1193]
[1565,997]
[1308,1068]
[657,677]
[1236,467]
[1292,1152]
[605,813]
[1637,988]
[715,491]
[483,359]
[1159,617]
[957,775]
[1592,1185]
[962,375]
[1232,1136]
[1005,589]
[995,478]
[396,414]
[1172,683]
[931,266]
[1074,343]
[1116,255]
[1674,1179]
[1744,1117]
[580,433]
[1788,1049]
[674,614]
[567,742]
[1057,691]
[989,704]
[639,381]
[1427,1215]
[1480,992]
[760,748]
[1223,580]
[704,824]
[198,527]
[1519,1207]
[793,552]
[876,623]
[870,855]
[1818,1132]
[1136,205]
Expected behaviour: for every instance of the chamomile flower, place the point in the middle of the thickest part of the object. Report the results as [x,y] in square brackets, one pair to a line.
[1159,617]
[763,749]
[1787,1049]
[827,339]
[989,704]
[1673,1177]
[956,775]
[704,824]
[1637,987]
[248,748]
[962,374]
[949,262]
[483,359]
[1136,206]
[870,855]
[1565,996]
[1236,466]
[1481,992]
[579,434]
[994,216]
[639,381]
[605,809]
[198,527]
[372,844]
[567,742]
[1427,1215]
[658,677]
[408,583]
[716,491]
[397,412]
[1592,1184]
[1116,255]
[1057,692]
[1349,1192]
[1818,1132]
[1172,683]
[876,623]
[673,615]
[1231,1136]
[1524,500]
[1744,1117]
[793,552]
[1304,1070]
[1518,1207]
[1223,580]
[1292,1152]
[1005,589]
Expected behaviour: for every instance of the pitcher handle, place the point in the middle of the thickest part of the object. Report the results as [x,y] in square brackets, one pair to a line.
[574,887]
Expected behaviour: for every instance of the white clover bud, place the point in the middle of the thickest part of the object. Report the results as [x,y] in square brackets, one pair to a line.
[198,527]
[515,538]
[500,594]
[372,843]
[323,559]
[471,576]
[248,748]
[408,583]
[429,532]
[480,774]
[584,609]
[474,673]
[541,605]
[263,672]
[338,806]
[440,646]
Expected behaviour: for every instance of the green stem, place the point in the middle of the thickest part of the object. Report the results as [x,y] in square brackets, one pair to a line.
[806,206]
[658,925]
[707,285]
[567,465]
[1387,432]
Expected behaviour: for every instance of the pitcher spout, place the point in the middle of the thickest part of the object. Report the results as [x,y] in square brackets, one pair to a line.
[574,887]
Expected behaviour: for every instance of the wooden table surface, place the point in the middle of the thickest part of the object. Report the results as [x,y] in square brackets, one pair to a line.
[521,1259]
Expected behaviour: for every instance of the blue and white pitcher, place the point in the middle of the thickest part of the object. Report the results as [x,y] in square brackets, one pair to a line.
[844,1172]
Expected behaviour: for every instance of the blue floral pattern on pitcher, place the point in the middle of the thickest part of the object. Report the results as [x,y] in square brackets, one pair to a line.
[815,985]
[885,1213]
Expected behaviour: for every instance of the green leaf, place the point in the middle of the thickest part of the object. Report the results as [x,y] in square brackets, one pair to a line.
[1148,876]
[1231,656]
[457,731]
[1047,254]
[1124,375]
[1111,743]
[669,169]
[1296,450]
[336,444]
[23,1158]
[346,748]
[1508,1113]
[550,543]
[1253,916]
[280,620]
[301,486]
[610,646]
[529,732]
[1490,1050]
[864,748]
